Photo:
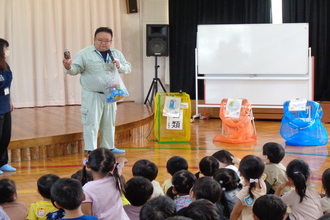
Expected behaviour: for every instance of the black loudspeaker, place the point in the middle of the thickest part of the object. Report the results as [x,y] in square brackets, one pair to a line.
[131,6]
[157,40]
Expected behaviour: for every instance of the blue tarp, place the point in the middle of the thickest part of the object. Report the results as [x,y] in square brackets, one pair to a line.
[303,128]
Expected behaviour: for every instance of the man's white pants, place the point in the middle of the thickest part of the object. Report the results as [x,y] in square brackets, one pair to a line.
[97,115]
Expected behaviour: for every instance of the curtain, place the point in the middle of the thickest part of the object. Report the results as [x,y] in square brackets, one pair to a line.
[317,14]
[38,31]
[185,15]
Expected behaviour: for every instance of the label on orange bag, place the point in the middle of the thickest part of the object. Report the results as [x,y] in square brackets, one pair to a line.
[233,108]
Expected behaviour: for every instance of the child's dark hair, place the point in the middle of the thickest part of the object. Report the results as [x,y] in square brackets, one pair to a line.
[138,190]
[326,182]
[67,193]
[7,190]
[202,209]
[251,167]
[228,180]
[179,218]
[146,169]
[224,156]
[182,182]
[269,207]
[45,182]
[298,171]
[274,151]
[207,188]
[207,166]
[325,217]
[176,163]
[102,160]
[158,208]
[79,176]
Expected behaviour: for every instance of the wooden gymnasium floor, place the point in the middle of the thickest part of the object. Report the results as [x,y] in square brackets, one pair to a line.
[39,122]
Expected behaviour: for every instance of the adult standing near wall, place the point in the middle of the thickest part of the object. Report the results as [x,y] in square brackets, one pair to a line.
[6,106]
[95,63]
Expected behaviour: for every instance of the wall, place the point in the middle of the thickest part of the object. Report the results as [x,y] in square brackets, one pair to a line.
[134,33]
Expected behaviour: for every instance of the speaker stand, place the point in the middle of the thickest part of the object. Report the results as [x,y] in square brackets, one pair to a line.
[154,86]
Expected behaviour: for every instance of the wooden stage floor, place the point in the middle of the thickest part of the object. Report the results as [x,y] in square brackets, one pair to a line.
[141,146]
[40,132]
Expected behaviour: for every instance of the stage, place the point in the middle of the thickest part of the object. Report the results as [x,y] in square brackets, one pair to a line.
[54,131]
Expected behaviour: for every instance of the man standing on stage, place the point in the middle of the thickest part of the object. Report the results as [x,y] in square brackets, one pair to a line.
[94,63]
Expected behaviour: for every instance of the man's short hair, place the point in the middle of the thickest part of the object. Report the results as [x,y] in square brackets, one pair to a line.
[67,193]
[45,183]
[274,151]
[103,29]
[138,190]
[159,208]
[146,169]
[269,207]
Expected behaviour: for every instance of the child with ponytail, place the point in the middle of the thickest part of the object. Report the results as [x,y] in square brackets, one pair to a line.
[230,185]
[182,182]
[251,168]
[304,201]
[103,194]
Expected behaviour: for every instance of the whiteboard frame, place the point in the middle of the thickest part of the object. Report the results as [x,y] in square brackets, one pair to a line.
[306,79]
[253,48]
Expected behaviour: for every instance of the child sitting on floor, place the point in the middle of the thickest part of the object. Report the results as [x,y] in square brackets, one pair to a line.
[273,153]
[159,208]
[225,159]
[230,186]
[138,191]
[251,169]
[103,194]
[182,182]
[325,200]
[202,209]
[269,207]
[304,201]
[14,209]
[67,194]
[148,170]
[39,210]
[207,166]
[173,165]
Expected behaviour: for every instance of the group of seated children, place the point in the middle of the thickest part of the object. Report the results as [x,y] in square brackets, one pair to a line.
[225,187]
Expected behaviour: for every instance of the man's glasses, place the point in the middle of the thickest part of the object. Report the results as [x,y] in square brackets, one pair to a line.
[103,41]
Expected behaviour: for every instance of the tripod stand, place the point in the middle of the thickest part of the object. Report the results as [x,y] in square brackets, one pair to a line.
[154,86]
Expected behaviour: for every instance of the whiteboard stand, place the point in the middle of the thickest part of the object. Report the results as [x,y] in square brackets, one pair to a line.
[198,115]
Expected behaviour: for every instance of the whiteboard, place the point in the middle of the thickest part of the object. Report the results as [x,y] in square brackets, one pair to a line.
[272,92]
[253,49]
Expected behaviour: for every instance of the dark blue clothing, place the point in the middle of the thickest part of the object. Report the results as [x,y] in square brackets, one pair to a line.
[5,82]
[55,215]
[84,217]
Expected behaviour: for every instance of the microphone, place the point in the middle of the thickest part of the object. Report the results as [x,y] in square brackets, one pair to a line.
[110,54]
